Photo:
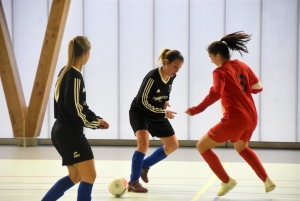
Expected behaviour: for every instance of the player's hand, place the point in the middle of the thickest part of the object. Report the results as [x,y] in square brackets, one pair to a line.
[167,104]
[188,112]
[103,124]
[170,114]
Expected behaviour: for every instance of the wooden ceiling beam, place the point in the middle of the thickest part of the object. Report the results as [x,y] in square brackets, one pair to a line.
[10,78]
[46,67]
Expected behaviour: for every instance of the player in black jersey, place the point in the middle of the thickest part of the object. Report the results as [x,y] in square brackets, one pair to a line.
[148,114]
[72,114]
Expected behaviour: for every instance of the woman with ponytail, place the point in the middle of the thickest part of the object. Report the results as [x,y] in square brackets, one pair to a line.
[72,114]
[233,83]
[148,114]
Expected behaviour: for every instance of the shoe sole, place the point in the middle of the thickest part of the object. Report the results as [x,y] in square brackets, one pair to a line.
[144,180]
[138,191]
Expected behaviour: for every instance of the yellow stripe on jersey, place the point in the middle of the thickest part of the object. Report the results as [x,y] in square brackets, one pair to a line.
[79,107]
[145,98]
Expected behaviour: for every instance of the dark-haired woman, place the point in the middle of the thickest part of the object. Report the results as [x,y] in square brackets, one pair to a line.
[72,114]
[148,114]
[233,83]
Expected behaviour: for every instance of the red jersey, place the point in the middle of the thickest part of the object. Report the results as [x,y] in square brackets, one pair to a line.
[232,82]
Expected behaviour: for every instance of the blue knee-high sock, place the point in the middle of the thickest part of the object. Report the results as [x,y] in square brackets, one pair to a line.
[158,155]
[84,191]
[136,166]
[58,189]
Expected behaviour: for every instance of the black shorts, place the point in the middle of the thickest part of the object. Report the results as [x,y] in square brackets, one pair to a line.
[156,127]
[71,144]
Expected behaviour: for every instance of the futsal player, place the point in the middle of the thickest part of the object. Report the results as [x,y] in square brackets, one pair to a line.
[149,114]
[72,114]
[234,83]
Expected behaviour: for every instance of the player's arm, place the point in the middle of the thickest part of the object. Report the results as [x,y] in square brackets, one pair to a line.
[256,88]
[101,122]
[214,94]
[254,82]
[74,105]
[222,108]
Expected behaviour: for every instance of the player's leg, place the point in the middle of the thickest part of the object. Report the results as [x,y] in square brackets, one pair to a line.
[87,173]
[137,161]
[251,158]
[204,146]
[170,145]
[62,185]
[74,174]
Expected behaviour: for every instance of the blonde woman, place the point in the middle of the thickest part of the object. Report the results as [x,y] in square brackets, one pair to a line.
[148,114]
[72,114]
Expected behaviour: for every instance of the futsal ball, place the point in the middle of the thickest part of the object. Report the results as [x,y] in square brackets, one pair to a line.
[118,187]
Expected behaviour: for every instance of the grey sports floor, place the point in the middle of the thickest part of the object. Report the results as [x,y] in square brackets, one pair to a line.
[27,173]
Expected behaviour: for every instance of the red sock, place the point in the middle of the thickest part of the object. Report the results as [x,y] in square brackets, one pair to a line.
[215,165]
[251,158]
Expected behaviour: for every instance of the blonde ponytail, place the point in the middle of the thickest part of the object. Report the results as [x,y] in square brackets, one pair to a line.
[162,55]
[77,47]
[71,58]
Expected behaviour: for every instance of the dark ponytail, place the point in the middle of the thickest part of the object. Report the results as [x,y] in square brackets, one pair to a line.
[235,42]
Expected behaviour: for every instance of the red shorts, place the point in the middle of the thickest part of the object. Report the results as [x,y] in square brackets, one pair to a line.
[233,130]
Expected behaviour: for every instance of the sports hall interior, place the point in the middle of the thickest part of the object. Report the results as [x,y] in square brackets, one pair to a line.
[126,37]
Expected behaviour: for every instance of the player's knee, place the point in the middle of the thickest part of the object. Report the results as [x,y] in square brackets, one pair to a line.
[200,147]
[175,145]
[143,147]
[143,144]
[89,178]
[171,147]
[239,147]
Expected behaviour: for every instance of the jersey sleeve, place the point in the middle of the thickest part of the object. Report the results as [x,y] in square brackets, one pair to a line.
[145,103]
[253,79]
[214,94]
[76,107]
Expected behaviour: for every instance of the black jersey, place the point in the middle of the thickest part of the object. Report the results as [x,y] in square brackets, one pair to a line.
[71,105]
[153,94]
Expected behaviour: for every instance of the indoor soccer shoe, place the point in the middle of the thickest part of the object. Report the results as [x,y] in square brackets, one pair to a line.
[269,185]
[136,187]
[144,175]
[226,187]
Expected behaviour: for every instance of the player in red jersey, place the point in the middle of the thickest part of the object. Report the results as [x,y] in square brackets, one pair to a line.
[233,83]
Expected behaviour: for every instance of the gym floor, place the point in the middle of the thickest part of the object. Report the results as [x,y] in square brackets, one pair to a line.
[28,173]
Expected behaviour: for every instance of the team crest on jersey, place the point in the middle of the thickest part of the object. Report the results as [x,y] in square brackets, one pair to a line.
[158,91]
[170,88]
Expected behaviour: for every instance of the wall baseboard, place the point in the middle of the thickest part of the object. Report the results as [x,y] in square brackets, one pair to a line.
[28,142]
